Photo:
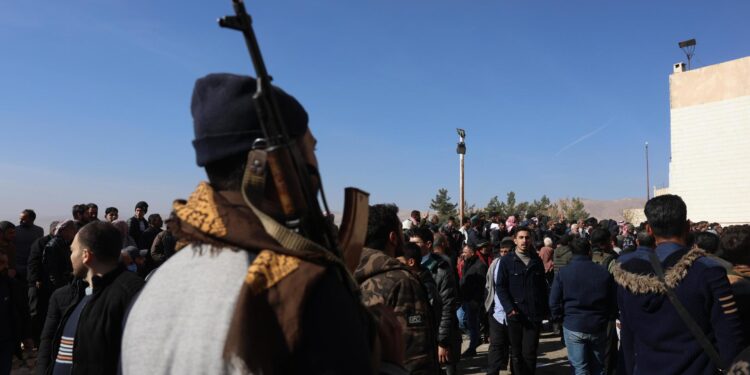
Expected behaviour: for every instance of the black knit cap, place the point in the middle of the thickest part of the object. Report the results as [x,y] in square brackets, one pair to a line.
[225,120]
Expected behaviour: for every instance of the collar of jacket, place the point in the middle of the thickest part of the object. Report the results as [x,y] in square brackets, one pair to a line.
[530,253]
[374,262]
[101,282]
[637,276]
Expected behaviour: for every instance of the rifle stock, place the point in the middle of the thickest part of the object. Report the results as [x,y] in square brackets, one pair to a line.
[353,230]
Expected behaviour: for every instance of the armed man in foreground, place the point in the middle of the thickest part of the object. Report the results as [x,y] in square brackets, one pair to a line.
[655,338]
[244,293]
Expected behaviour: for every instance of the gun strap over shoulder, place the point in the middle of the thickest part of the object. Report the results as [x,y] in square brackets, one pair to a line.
[708,347]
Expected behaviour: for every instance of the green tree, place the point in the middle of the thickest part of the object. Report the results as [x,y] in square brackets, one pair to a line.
[442,205]
[494,206]
[570,209]
[510,204]
[576,210]
[540,207]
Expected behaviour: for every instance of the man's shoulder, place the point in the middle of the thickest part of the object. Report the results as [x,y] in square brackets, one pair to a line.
[129,281]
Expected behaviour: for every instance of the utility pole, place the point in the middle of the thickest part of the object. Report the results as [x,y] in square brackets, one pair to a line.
[461,151]
[648,179]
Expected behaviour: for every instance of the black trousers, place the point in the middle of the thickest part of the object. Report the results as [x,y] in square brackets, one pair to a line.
[497,356]
[524,342]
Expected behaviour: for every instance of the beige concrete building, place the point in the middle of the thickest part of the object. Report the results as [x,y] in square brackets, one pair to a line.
[710,140]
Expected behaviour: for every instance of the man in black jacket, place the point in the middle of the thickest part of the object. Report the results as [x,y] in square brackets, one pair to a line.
[522,290]
[472,292]
[88,337]
[449,338]
[14,322]
[37,297]
[138,224]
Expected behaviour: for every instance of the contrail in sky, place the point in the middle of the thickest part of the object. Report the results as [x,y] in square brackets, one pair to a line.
[585,136]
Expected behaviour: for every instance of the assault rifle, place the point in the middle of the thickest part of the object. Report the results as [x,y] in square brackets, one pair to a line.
[289,170]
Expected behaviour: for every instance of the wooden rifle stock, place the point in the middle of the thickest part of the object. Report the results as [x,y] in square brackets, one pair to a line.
[353,230]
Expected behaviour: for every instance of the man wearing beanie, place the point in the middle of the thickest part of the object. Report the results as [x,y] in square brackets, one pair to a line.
[244,294]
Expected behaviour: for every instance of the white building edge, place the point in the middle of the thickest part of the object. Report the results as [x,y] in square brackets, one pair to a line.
[710,141]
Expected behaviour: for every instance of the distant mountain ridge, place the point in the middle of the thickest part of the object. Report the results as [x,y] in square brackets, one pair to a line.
[611,209]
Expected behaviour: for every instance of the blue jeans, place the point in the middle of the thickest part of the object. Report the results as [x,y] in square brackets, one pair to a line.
[471,311]
[461,315]
[586,351]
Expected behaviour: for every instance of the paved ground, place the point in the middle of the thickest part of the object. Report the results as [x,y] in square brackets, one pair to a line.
[552,360]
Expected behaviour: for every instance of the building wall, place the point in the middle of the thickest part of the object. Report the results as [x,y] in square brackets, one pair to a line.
[710,136]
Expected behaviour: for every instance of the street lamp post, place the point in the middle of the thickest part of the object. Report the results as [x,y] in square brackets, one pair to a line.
[648,178]
[461,151]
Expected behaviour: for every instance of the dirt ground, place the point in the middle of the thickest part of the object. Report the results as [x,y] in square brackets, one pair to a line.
[552,359]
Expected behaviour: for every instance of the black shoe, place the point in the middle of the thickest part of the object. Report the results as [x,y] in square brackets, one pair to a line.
[469,353]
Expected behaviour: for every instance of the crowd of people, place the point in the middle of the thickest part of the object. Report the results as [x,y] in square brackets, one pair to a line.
[229,288]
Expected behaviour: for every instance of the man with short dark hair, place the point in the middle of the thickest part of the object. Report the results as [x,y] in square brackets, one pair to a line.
[382,279]
[88,338]
[164,244]
[522,289]
[583,298]
[449,337]
[26,234]
[653,336]
[602,252]
[111,214]
[80,215]
[411,259]
[93,212]
[138,223]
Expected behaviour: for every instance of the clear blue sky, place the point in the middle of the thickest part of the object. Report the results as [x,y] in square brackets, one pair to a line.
[557,98]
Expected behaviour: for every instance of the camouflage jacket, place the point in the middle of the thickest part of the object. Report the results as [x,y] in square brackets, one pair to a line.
[384,280]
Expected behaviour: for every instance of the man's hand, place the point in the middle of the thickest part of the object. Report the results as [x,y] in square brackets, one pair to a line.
[38,284]
[512,313]
[443,354]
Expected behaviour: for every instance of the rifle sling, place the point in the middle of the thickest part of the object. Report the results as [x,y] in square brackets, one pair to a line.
[685,315]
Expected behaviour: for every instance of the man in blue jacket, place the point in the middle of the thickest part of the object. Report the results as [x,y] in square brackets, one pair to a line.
[522,290]
[653,337]
[583,297]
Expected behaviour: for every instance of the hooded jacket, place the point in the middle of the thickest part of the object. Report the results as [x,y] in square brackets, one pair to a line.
[384,280]
[654,339]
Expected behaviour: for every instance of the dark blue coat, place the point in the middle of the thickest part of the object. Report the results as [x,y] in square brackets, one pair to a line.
[654,339]
[584,296]
[523,287]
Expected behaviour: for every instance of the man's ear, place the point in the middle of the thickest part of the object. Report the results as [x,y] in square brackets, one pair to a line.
[649,230]
[393,238]
[87,257]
